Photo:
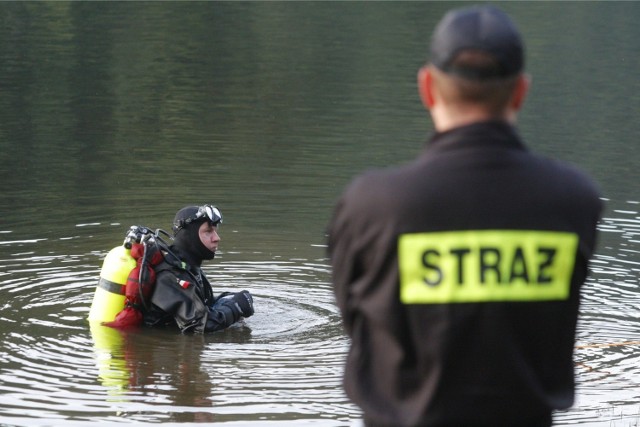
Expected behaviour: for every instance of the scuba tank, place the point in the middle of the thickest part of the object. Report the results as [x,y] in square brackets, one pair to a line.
[109,297]
[127,277]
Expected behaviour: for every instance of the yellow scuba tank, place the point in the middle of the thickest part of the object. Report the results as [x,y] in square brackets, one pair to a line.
[109,297]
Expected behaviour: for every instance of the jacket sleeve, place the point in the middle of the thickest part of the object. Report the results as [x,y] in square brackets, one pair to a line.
[344,262]
[221,316]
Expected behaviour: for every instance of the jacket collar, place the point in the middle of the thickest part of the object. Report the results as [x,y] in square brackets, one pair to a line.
[494,133]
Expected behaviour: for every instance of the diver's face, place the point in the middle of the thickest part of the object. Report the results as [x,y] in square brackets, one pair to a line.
[209,236]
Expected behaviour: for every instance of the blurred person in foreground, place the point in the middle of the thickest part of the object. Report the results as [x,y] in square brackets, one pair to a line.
[458,275]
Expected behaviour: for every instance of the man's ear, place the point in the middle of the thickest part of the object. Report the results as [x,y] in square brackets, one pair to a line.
[425,87]
[520,91]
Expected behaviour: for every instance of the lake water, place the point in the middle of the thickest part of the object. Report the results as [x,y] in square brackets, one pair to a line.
[114,114]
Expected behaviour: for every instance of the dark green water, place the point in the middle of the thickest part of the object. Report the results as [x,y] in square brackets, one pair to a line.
[120,113]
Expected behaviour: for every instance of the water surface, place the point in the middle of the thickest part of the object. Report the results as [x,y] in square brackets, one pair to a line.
[114,114]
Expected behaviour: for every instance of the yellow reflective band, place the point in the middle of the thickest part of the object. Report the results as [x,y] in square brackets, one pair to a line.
[485,265]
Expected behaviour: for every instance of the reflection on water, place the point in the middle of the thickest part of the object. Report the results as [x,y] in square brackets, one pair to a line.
[284,363]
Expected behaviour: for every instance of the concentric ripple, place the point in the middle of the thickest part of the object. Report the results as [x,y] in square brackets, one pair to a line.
[282,366]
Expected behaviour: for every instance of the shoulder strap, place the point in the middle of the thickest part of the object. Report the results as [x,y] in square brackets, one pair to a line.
[166,264]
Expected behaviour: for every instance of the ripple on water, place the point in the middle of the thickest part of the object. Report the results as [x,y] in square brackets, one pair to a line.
[608,349]
[282,366]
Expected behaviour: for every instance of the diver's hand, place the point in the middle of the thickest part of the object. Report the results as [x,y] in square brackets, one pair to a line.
[244,302]
[241,303]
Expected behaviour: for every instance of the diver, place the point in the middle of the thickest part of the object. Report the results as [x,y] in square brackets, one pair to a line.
[182,295]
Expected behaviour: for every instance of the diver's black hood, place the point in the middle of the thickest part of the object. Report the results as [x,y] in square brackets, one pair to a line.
[187,239]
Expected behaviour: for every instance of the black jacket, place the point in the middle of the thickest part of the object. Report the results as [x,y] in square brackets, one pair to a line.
[183,297]
[458,279]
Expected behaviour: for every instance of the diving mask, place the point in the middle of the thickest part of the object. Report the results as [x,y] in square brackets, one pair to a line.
[209,212]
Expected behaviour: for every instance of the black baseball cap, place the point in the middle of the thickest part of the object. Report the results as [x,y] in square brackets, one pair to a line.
[478,28]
